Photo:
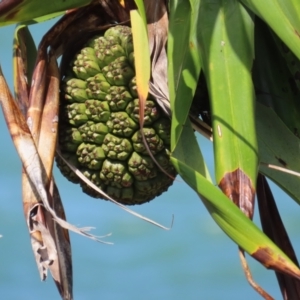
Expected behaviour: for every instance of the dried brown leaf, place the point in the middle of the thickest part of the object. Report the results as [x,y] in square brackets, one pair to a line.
[274,228]
[237,186]
[158,22]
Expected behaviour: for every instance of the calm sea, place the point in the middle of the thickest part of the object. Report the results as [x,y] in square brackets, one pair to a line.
[193,260]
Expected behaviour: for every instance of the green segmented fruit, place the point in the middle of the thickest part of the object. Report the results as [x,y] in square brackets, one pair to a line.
[99,124]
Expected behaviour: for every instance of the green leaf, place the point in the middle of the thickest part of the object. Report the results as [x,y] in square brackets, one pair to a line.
[142,57]
[15,11]
[227,56]
[274,84]
[141,9]
[187,151]
[282,16]
[280,147]
[185,66]
[278,119]
[190,165]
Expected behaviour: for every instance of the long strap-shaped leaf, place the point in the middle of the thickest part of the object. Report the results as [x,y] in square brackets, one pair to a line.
[227,55]
[274,83]
[16,11]
[275,88]
[142,55]
[188,159]
[184,62]
[50,242]
[189,164]
[24,54]
[278,147]
[274,228]
[287,11]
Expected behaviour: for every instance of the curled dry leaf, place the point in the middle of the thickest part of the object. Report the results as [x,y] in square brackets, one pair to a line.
[157,18]
[33,126]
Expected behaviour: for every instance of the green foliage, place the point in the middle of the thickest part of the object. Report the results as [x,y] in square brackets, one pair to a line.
[32,11]
[246,52]
[217,38]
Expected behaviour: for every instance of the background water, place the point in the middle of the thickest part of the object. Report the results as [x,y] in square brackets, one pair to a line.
[194,260]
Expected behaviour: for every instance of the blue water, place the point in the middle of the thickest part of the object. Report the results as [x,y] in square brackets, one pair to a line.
[194,260]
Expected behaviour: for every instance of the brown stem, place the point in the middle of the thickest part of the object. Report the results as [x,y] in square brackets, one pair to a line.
[249,277]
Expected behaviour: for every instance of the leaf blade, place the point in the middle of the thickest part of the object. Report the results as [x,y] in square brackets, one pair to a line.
[234,223]
[288,29]
[227,55]
[185,65]
[142,59]
[15,11]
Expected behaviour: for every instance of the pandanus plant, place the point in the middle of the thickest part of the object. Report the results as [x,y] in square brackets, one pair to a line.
[227,69]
